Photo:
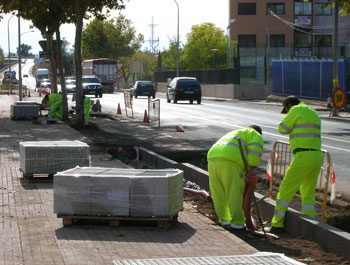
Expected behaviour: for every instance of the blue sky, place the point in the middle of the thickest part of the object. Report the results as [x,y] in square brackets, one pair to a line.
[140,12]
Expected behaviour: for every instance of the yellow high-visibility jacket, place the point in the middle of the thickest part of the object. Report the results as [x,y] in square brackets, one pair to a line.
[227,147]
[303,126]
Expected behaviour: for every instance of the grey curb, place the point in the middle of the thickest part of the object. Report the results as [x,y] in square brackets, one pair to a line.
[296,224]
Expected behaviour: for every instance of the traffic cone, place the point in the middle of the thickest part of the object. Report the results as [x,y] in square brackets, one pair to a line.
[40,93]
[28,93]
[145,117]
[179,128]
[119,111]
[23,95]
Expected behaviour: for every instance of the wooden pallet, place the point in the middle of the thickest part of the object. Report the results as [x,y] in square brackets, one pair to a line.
[160,221]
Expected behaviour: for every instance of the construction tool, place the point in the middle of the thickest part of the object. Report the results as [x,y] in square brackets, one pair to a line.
[250,183]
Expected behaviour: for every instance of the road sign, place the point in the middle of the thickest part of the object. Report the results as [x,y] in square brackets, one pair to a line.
[13,73]
[44,54]
[339,98]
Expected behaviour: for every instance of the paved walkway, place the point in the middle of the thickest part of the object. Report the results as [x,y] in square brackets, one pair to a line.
[30,233]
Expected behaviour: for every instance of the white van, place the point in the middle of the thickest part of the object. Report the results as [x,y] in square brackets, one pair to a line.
[41,74]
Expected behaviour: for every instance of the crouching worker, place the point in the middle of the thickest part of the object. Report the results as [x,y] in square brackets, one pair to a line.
[227,175]
[87,107]
[56,108]
[96,107]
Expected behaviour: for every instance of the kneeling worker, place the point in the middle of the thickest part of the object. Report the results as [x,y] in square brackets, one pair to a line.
[304,128]
[56,105]
[87,107]
[227,174]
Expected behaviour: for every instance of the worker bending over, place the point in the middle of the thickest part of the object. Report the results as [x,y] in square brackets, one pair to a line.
[87,107]
[227,173]
[56,105]
[304,128]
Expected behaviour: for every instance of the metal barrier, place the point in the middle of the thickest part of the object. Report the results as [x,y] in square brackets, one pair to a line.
[128,104]
[154,111]
[281,157]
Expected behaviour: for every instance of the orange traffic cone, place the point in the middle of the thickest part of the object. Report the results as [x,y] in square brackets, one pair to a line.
[179,128]
[119,111]
[23,95]
[28,93]
[145,117]
[40,93]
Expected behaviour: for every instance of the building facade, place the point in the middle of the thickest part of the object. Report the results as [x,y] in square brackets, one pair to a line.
[296,28]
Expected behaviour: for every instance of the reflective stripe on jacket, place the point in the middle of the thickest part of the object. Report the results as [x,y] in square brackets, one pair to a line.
[303,126]
[228,147]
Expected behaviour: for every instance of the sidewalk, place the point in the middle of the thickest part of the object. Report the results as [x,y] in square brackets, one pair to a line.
[31,233]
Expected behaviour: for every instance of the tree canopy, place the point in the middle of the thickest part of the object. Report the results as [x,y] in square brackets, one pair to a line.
[1,55]
[198,51]
[25,50]
[112,39]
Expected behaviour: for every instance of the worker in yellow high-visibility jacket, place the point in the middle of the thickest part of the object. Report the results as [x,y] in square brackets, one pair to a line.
[56,105]
[227,174]
[87,107]
[304,128]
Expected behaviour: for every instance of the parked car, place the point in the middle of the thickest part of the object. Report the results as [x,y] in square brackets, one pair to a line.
[9,78]
[347,101]
[184,88]
[143,88]
[91,85]
[70,86]
[45,86]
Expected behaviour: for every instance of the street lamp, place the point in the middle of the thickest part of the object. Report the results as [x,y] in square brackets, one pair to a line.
[19,60]
[214,51]
[228,63]
[177,42]
[8,42]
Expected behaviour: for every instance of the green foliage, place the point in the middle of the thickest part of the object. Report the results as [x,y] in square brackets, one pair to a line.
[169,56]
[25,50]
[68,58]
[1,55]
[201,41]
[112,39]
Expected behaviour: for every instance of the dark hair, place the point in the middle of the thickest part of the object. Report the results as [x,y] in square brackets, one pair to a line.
[257,128]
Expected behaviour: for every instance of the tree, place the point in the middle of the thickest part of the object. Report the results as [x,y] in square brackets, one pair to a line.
[201,40]
[344,5]
[112,39]
[169,56]
[1,55]
[25,50]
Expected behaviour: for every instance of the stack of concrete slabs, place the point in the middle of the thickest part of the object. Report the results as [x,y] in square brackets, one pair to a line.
[25,109]
[49,157]
[118,192]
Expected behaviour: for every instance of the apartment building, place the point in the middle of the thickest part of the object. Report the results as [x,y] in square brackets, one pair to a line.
[295,27]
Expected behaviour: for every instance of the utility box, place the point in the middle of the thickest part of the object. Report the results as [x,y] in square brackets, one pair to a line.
[50,157]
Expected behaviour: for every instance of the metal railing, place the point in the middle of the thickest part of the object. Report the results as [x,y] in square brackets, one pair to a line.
[128,104]
[281,157]
[154,111]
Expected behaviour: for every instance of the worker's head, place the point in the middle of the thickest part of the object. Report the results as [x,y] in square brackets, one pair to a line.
[257,128]
[288,103]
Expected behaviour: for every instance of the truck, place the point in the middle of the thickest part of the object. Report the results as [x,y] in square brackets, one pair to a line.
[41,74]
[104,69]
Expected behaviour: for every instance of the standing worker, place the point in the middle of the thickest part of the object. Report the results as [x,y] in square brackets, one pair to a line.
[87,106]
[226,174]
[304,128]
[56,105]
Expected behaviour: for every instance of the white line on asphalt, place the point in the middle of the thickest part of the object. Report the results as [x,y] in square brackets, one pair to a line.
[272,134]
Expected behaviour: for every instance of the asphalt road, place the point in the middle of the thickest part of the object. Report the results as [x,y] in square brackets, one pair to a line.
[207,122]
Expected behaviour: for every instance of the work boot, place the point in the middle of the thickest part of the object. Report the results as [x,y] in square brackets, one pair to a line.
[275,230]
[226,225]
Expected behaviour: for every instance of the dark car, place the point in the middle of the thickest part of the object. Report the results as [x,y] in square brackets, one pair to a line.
[143,88]
[184,88]
[347,101]
[91,85]
[70,86]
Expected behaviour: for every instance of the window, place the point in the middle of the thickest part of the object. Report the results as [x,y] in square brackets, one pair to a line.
[245,9]
[302,40]
[276,40]
[323,40]
[302,8]
[277,8]
[247,40]
[322,10]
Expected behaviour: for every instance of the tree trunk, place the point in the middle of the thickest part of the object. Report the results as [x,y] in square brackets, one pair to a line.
[52,65]
[78,69]
[62,77]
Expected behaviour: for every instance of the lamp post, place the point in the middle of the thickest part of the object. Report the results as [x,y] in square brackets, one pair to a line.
[228,63]
[8,42]
[177,42]
[214,51]
[19,60]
